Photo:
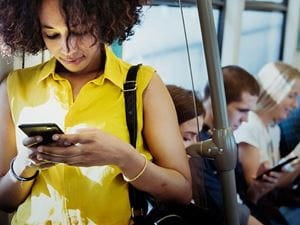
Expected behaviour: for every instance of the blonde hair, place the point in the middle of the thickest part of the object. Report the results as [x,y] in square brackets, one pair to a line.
[276,80]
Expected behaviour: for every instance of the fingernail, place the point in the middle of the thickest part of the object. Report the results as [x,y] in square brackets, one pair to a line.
[55,137]
[40,149]
[39,157]
[39,138]
[66,143]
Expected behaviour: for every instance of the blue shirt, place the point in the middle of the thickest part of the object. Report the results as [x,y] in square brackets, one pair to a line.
[213,186]
[290,132]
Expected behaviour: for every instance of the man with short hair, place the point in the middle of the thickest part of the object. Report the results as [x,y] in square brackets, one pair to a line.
[242,91]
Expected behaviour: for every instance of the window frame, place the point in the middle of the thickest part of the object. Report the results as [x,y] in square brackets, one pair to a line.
[265,6]
[216,4]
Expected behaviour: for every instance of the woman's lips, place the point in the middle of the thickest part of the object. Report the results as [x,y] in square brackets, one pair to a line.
[73,60]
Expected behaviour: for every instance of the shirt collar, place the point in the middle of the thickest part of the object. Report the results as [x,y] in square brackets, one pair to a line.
[111,72]
[47,69]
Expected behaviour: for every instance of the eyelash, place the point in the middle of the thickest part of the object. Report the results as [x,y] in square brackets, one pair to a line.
[52,37]
[292,95]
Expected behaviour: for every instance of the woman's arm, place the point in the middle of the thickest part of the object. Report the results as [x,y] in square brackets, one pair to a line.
[12,192]
[250,159]
[171,169]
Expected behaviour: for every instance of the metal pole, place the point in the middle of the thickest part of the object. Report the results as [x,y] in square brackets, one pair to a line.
[222,135]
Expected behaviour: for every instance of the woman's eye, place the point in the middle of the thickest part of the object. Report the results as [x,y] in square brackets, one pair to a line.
[51,36]
[292,95]
[186,138]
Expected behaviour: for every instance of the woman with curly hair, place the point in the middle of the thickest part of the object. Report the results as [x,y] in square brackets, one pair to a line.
[82,176]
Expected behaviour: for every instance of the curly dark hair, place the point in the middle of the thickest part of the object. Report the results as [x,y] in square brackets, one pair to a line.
[106,20]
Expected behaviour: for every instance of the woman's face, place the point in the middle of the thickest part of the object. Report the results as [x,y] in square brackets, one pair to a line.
[290,102]
[75,51]
[189,130]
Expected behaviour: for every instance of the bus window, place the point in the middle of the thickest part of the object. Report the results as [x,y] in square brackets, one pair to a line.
[160,42]
[261,38]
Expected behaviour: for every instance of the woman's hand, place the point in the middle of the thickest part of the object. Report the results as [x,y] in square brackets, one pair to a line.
[259,187]
[288,177]
[86,147]
[31,156]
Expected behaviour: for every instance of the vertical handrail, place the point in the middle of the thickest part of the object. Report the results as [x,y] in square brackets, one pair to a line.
[222,135]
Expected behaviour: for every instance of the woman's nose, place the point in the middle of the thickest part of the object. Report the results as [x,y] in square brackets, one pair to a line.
[68,45]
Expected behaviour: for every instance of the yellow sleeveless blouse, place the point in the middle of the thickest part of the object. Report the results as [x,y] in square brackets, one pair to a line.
[63,194]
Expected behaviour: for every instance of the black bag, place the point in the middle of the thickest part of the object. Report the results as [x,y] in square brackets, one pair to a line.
[140,201]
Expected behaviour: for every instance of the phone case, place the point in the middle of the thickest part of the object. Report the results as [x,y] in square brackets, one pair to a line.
[46,130]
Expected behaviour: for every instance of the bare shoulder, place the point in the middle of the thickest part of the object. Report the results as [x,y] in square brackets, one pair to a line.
[157,99]
[156,89]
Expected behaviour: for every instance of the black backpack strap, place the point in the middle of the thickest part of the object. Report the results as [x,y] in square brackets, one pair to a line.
[130,102]
[136,197]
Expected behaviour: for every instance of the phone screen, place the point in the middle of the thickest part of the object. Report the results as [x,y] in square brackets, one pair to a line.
[46,130]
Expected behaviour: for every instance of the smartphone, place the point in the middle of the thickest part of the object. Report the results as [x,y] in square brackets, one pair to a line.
[278,167]
[46,130]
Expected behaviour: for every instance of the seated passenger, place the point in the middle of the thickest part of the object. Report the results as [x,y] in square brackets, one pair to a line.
[189,126]
[259,138]
[241,90]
